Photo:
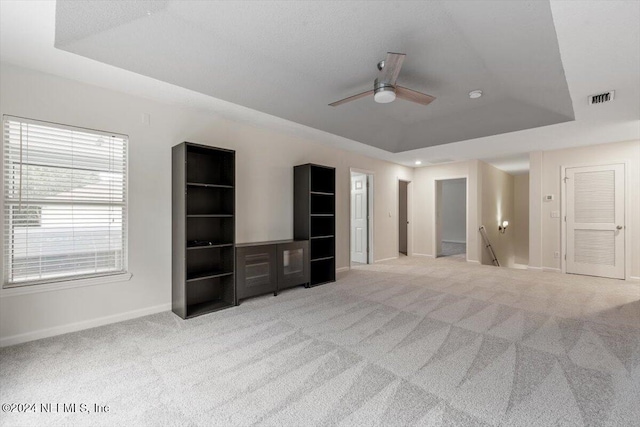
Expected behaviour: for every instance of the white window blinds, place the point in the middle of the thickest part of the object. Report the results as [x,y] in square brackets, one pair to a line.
[65,207]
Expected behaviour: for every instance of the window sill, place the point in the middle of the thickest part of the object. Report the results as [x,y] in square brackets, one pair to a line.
[69,284]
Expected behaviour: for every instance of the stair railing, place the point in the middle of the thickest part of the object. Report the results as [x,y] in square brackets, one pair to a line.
[487,245]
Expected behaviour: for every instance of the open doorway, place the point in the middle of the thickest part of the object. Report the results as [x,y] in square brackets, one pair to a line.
[451,218]
[361,218]
[403,217]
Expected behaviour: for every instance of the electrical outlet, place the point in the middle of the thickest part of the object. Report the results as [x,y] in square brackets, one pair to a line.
[556,255]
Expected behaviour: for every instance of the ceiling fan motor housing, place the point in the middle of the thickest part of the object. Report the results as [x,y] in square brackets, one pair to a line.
[383,92]
[384,87]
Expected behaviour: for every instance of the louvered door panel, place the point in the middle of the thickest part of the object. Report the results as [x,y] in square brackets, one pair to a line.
[595,247]
[595,220]
[595,197]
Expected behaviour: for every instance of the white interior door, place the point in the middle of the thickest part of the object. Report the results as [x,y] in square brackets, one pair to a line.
[595,221]
[359,214]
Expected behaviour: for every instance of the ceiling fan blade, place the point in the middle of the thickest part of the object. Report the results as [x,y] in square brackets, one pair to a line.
[391,69]
[351,98]
[414,96]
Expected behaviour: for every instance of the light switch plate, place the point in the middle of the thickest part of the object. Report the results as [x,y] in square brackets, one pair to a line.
[555,214]
[548,198]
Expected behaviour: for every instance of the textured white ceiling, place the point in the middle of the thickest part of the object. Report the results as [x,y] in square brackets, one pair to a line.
[599,44]
[290,59]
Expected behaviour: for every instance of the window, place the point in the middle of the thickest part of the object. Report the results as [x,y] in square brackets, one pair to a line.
[65,207]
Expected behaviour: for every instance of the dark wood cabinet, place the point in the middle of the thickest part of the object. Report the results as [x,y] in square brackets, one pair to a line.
[293,264]
[314,218]
[257,272]
[203,229]
[269,267]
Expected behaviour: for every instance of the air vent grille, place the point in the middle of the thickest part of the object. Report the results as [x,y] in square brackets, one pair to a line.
[602,97]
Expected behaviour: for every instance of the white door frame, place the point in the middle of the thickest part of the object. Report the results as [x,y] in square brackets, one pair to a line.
[370,179]
[436,224]
[563,213]
[409,216]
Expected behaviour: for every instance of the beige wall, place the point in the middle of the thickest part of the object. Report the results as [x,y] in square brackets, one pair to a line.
[497,206]
[424,214]
[546,231]
[265,160]
[520,222]
[535,210]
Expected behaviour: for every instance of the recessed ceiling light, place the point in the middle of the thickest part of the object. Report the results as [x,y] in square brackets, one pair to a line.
[418,162]
[474,94]
[148,13]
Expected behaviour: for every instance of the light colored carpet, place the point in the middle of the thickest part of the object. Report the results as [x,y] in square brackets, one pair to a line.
[406,342]
[456,251]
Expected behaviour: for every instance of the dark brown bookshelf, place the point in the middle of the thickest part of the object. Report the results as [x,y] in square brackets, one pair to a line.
[210,216]
[200,184]
[314,218]
[206,307]
[207,275]
[209,246]
[203,231]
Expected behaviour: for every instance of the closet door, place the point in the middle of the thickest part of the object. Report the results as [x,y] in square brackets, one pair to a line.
[595,221]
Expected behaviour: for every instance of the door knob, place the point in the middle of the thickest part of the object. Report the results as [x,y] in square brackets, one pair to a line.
[619,227]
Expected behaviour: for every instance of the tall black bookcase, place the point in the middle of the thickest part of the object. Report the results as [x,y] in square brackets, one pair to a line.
[203,231]
[314,218]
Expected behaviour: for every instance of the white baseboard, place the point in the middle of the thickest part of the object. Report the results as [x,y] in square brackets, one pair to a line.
[551,270]
[634,278]
[473,261]
[386,259]
[454,241]
[424,255]
[85,324]
[534,268]
[342,269]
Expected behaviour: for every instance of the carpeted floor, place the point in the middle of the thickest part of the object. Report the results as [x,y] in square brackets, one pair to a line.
[453,250]
[407,342]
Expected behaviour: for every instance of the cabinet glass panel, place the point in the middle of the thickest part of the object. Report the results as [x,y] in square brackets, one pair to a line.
[257,269]
[293,262]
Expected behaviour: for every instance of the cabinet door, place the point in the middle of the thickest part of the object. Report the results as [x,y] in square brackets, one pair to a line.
[256,270]
[293,264]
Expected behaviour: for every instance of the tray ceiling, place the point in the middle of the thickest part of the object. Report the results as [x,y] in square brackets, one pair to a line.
[291,59]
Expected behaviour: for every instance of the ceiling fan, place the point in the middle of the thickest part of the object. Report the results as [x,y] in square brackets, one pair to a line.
[385,89]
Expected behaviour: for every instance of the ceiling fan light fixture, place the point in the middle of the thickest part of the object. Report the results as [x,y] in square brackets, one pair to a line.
[385,89]
[384,95]
[475,94]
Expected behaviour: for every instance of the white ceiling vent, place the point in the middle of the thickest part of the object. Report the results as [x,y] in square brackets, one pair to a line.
[602,97]
[437,161]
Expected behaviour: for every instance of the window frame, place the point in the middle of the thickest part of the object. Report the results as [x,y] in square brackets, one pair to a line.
[69,281]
